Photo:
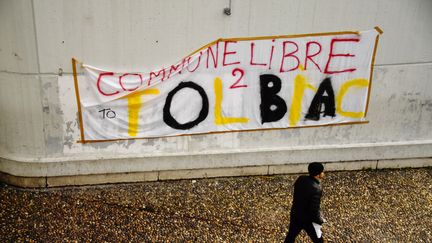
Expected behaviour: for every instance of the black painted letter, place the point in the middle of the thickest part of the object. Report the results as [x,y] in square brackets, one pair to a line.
[273,107]
[169,119]
[319,99]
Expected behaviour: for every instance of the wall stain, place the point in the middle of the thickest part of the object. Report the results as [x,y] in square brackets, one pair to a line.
[46,86]
[427,105]
[127,143]
[17,56]
[100,145]
[58,111]
[68,141]
[69,127]
[149,142]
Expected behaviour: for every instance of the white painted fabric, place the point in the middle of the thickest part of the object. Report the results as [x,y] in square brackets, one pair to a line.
[233,85]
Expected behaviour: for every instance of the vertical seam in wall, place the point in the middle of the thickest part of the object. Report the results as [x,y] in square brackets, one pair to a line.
[36,37]
[39,77]
[376,166]
[249,18]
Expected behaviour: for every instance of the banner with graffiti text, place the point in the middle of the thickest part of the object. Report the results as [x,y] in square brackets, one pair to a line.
[237,84]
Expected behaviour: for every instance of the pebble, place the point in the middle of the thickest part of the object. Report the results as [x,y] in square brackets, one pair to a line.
[359,206]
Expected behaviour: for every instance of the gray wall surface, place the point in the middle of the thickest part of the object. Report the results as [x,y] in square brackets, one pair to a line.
[38,124]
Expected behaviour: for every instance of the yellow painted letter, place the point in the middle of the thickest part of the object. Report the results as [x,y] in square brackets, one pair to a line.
[219,119]
[359,82]
[134,106]
[300,85]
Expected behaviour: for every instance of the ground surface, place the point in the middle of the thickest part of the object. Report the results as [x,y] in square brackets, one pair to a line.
[360,206]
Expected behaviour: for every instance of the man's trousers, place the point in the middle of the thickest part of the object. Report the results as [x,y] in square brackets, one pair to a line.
[295,228]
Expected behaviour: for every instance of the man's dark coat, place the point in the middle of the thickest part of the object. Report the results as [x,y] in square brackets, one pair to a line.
[306,201]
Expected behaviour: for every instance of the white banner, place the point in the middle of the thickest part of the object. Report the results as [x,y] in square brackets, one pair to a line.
[235,84]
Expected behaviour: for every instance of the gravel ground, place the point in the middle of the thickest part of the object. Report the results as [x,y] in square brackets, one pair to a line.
[360,206]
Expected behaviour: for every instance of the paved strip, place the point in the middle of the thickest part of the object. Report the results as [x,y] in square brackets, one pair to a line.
[360,206]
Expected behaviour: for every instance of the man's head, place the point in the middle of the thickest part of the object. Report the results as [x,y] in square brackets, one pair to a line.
[316,170]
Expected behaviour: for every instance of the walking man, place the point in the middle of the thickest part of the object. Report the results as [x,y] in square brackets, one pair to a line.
[305,210]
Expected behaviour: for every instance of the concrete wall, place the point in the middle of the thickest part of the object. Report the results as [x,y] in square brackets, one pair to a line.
[38,123]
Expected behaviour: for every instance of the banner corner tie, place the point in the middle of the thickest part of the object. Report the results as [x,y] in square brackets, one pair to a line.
[379,30]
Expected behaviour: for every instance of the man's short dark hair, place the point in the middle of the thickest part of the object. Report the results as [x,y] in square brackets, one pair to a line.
[315,168]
